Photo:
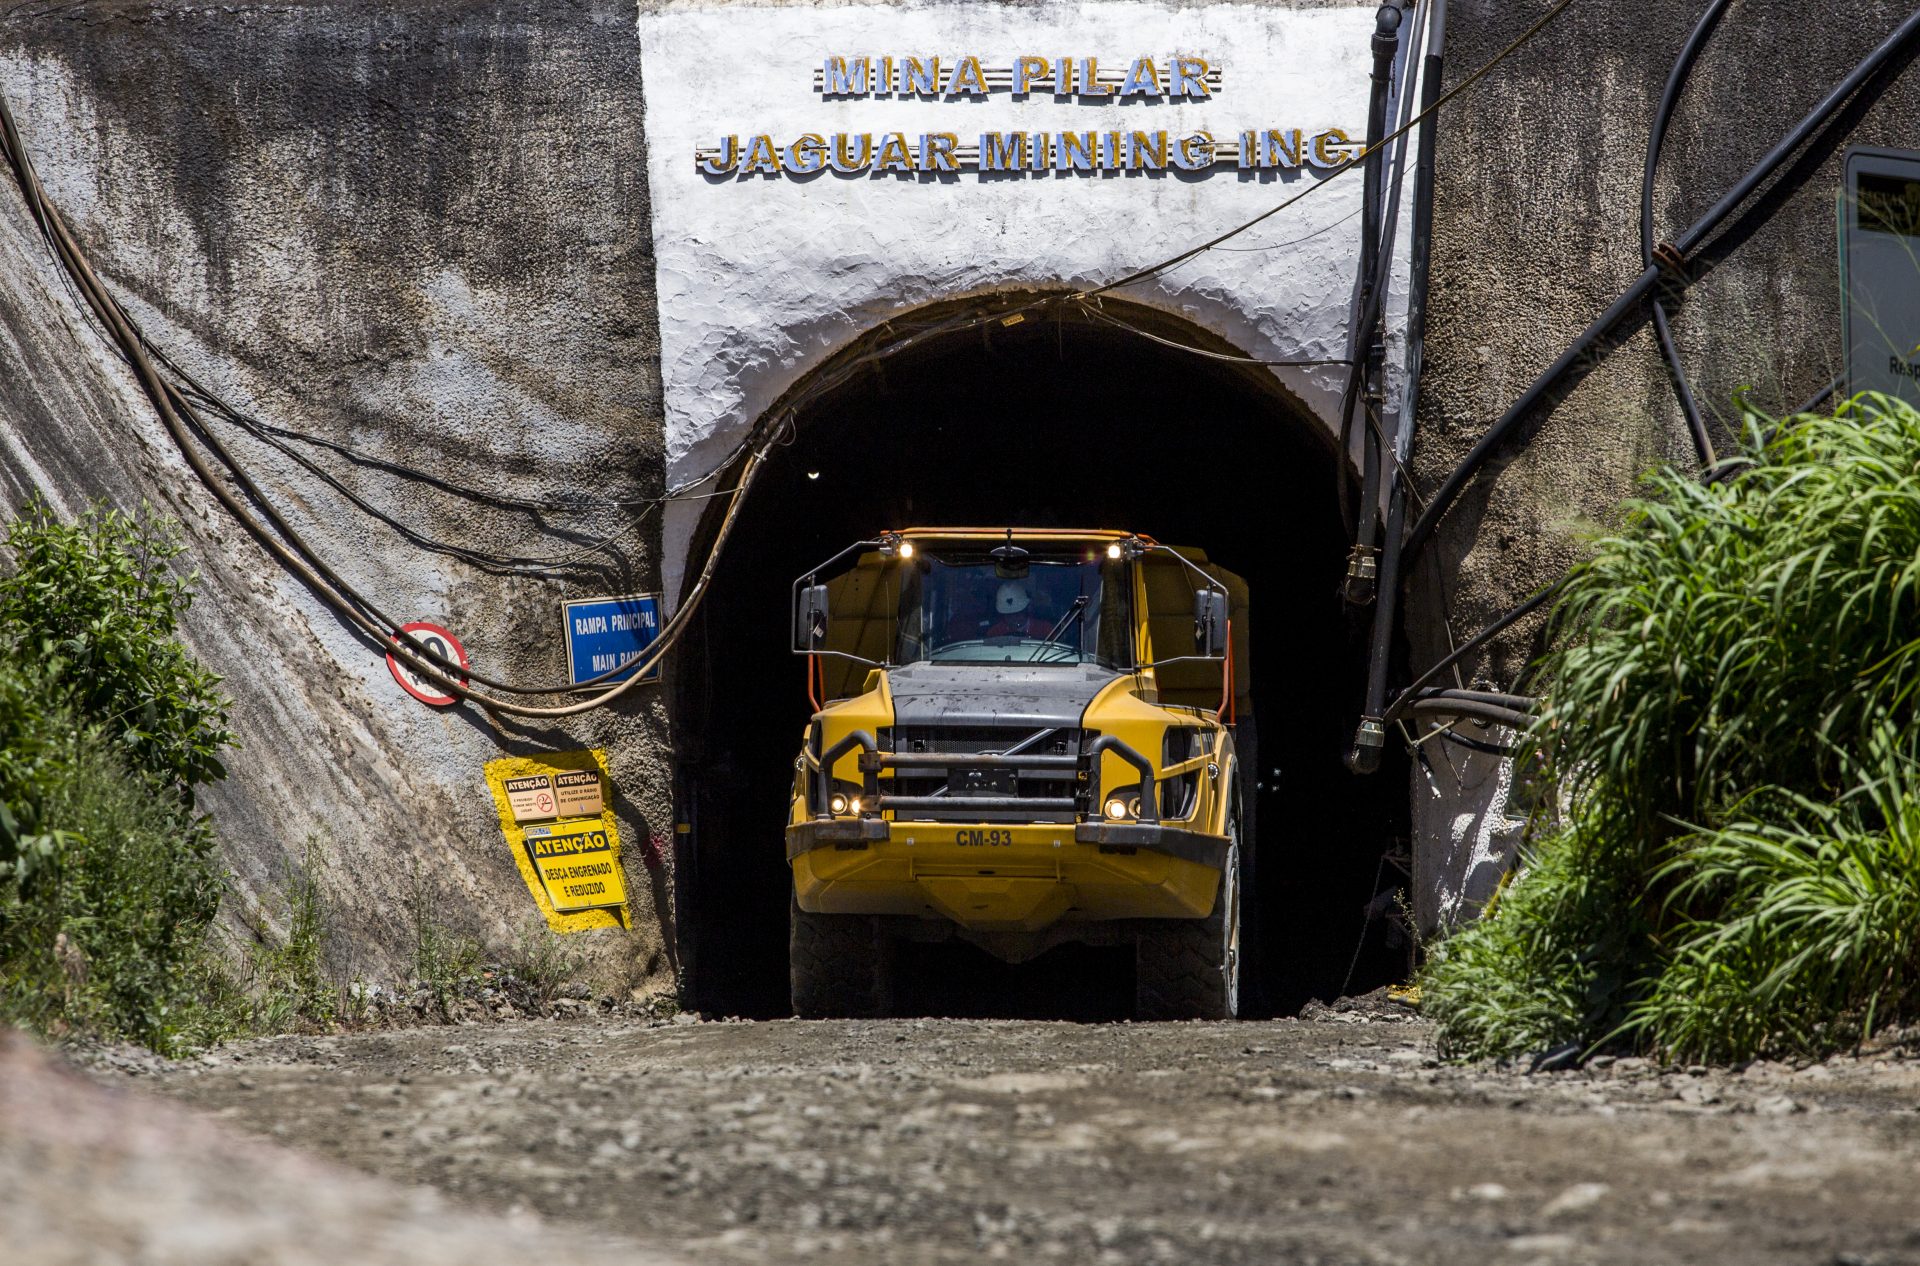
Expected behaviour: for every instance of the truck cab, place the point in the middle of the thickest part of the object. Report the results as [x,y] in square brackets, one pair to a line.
[1020,737]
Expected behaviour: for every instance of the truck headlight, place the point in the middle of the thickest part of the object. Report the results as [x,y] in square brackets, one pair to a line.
[837,803]
[1122,805]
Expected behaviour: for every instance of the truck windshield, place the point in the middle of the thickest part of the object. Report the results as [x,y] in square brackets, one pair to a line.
[970,608]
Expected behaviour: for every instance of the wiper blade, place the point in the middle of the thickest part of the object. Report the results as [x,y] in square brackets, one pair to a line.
[1073,613]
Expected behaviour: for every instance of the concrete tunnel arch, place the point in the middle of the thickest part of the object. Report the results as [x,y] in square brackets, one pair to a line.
[1068,420]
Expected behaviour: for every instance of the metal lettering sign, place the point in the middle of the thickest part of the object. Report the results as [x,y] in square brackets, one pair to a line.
[1173,78]
[605,633]
[1880,272]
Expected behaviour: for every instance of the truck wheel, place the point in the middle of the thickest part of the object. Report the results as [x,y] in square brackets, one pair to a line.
[1189,969]
[839,966]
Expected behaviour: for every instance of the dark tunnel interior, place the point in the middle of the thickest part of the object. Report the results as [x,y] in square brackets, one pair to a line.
[1060,424]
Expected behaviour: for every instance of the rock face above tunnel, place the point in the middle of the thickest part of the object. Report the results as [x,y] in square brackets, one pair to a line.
[417,232]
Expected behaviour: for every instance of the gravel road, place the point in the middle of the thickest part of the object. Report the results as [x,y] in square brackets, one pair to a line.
[1336,1138]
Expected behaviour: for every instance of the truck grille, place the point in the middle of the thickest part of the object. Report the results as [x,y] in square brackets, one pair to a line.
[985,781]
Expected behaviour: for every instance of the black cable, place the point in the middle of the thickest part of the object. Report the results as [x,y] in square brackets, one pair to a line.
[184,425]
[1450,735]
[1361,519]
[1821,396]
[205,397]
[1363,757]
[1656,137]
[1630,299]
[1173,261]
[483,559]
[1093,309]
[1405,698]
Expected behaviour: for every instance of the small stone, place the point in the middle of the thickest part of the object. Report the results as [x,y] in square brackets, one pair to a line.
[1582,1195]
[1777,1106]
[1487,1191]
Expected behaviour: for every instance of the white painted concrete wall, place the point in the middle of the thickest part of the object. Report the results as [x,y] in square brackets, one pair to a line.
[762,278]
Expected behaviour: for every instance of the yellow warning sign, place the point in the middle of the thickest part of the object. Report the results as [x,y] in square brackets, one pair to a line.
[578,865]
[553,810]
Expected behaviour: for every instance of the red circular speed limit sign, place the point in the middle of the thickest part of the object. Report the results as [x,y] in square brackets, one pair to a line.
[441,643]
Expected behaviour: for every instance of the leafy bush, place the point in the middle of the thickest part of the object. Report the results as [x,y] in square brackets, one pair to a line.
[1730,721]
[107,877]
[97,601]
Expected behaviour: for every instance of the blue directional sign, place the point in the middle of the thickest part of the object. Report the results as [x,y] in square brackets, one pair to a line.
[603,633]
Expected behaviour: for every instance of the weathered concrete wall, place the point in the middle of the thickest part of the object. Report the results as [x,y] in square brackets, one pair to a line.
[1537,231]
[420,230]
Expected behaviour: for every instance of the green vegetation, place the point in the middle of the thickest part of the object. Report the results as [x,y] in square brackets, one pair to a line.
[1732,862]
[107,725]
[447,964]
[290,986]
[108,880]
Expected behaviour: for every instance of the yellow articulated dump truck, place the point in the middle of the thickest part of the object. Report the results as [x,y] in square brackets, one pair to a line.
[1021,737]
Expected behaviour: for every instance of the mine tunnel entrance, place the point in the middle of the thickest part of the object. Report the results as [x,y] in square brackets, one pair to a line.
[1050,423]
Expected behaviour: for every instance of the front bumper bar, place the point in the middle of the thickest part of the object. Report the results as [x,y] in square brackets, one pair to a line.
[859,833]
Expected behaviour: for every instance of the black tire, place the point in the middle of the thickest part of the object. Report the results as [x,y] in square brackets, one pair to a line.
[1189,969]
[839,966]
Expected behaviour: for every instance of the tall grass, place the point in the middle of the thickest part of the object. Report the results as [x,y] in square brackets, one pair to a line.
[108,880]
[1731,867]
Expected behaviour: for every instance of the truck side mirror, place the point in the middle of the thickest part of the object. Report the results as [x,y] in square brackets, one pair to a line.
[809,617]
[1210,622]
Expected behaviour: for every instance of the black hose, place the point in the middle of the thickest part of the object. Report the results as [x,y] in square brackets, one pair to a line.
[1471,710]
[1656,137]
[1682,389]
[1385,44]
[1364,757]
[1449,735]
[1821,396]
[1517,703]
[1630,299]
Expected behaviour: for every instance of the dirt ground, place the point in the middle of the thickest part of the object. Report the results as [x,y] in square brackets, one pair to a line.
[1336,1138]
[103,1175]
